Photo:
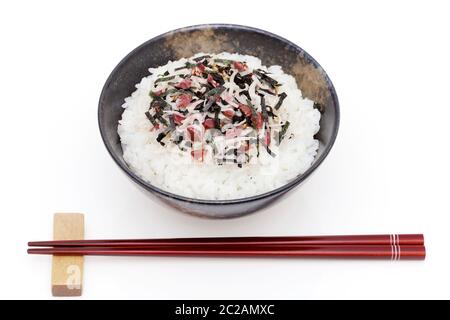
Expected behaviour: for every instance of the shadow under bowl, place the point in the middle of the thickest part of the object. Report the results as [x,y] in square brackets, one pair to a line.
[215,38]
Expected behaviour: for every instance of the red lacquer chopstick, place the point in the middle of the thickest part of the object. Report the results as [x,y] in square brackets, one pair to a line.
[383,239]
[408,252]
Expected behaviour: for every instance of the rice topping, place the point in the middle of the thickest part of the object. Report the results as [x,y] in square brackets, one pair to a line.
[218,126]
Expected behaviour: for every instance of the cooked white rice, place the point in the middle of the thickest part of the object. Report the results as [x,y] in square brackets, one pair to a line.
[170,169]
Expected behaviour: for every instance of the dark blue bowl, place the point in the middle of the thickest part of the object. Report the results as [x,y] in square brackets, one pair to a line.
[215,38]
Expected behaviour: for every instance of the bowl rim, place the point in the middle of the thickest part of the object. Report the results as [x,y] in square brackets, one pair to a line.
[278,191]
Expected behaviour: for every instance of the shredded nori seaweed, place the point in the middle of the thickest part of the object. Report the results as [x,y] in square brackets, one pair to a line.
[198,59]
[164,79]
[270,152]
[241,81]
[217,77]
[161,119]
[264,110]
[163,94]
[215,92]
[178,138]
[151,118]
[246,95]
[172,122]
[270,112]
[161,136]
[254,114]
[266,91]
[281,97]
[261,73]
[257,146]
[237,119]
[216,118]
[283,131]
[208,105]
[159,116]
[159,101]
[187,65]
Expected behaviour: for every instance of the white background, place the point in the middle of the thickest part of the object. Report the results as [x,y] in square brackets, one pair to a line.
[388,171]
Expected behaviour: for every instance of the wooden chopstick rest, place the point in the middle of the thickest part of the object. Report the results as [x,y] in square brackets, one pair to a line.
[67,271]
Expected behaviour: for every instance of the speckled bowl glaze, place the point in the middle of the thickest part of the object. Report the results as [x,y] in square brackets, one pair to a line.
[215,38]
